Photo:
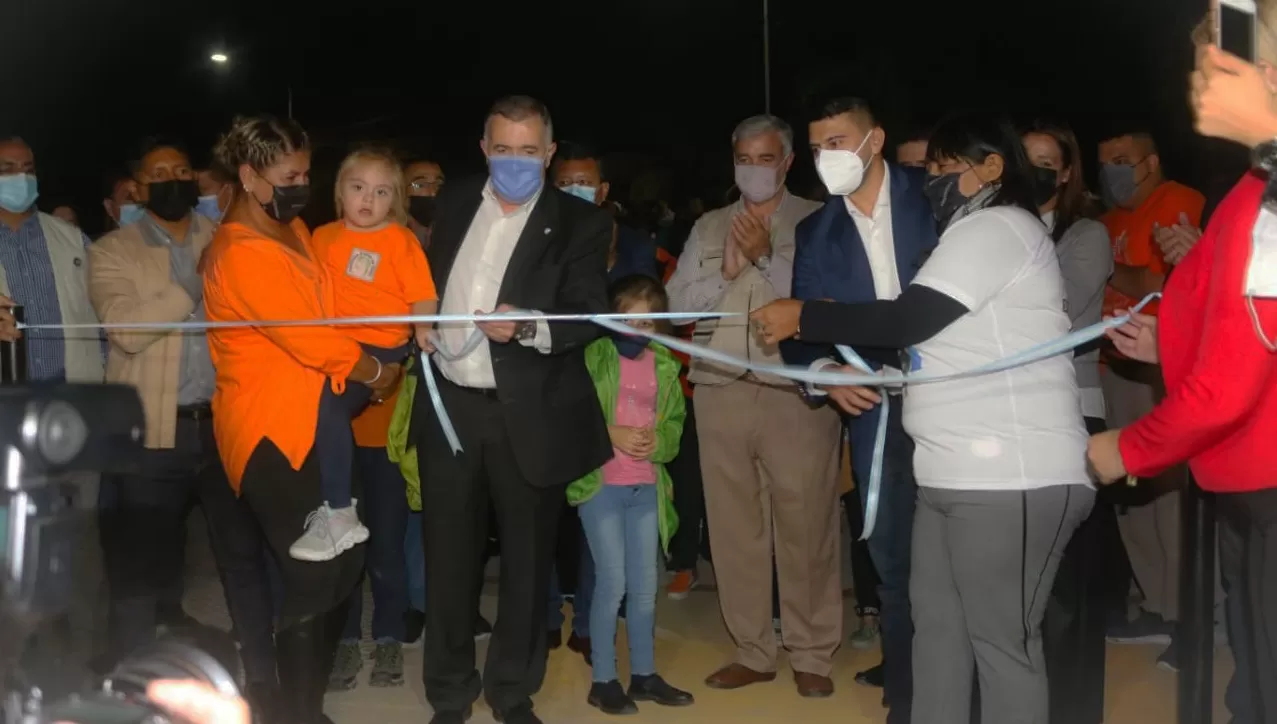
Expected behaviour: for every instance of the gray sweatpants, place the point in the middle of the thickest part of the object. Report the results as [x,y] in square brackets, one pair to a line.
[983,566]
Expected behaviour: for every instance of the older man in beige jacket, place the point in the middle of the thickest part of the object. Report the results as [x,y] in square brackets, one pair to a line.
[769,461]
[147,272]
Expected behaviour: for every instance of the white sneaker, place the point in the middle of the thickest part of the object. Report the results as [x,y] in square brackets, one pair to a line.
[329,533]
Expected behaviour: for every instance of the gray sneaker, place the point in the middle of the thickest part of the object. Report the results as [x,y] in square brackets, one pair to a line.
[346,667]
[387,666]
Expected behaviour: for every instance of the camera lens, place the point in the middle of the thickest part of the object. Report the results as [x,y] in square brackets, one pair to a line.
[62,433]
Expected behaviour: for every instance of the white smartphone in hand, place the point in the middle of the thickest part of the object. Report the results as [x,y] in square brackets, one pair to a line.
[1236,28]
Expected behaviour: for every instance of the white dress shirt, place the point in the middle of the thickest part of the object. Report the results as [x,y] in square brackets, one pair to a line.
[475,282]
[880,246]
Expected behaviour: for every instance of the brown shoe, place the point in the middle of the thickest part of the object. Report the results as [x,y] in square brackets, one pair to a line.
[813,686]
[736,676]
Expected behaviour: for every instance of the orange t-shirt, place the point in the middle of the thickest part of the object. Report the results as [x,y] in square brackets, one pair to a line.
[269,379]
[1131,234]
[378,273]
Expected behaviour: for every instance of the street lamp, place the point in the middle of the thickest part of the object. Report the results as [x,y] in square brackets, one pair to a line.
[219,57]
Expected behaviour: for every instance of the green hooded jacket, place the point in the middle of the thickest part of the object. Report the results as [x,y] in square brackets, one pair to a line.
[398,448]
[603,363]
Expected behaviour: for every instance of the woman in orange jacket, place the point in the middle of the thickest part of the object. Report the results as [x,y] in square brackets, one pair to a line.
[259,267]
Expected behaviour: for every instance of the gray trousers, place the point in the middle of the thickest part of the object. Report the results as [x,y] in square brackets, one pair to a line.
[983,566]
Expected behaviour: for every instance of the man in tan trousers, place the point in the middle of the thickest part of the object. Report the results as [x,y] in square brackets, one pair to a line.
[769,461]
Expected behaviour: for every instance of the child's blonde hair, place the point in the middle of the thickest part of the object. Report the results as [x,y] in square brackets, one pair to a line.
[373,154]
[641,288]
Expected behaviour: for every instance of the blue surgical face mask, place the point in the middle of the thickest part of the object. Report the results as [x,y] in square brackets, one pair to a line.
[629,346]
[516,178]
[207,205]
[581,191]
[18,192]
[131,214]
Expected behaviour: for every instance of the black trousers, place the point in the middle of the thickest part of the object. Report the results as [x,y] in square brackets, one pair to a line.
[864,577]
[280,498]
[1256,514]
[691,540]
[1091,581]
[144,541]
[456,490]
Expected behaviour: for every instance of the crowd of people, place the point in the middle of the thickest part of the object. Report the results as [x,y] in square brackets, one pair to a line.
[321,454]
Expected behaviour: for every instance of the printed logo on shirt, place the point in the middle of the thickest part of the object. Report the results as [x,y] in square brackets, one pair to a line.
[363,264]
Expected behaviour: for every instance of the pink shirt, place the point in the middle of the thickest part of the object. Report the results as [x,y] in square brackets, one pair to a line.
[635,407]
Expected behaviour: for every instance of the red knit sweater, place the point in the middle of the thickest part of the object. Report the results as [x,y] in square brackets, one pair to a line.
[1220,410]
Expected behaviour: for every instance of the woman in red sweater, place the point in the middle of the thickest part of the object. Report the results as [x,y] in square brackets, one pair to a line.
[1220,409]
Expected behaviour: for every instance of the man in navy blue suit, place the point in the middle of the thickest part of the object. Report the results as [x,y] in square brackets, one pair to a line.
[867,243]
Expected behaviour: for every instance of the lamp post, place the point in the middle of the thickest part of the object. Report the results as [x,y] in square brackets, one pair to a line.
[221,58]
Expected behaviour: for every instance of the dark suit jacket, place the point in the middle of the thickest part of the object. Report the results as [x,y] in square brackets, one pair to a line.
[635,254]
[559,266]
[830,263]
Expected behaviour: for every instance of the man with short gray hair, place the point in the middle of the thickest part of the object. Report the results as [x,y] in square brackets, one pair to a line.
[769,461]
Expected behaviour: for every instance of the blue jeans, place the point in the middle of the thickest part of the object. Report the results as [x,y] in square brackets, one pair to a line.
[334,441]
[385,510]
[581,601]
[415,556]
[623,535]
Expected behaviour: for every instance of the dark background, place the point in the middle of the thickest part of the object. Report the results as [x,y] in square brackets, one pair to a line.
[656,83]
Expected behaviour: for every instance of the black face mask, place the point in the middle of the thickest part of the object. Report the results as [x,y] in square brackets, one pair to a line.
[422,209]
[1046,184]
[287,202]
[945,198]
[172,200]
[629,346]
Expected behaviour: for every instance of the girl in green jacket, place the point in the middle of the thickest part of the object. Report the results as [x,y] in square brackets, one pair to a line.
[626,507]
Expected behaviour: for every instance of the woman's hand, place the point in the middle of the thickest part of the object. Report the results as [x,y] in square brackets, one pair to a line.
[779,320]
[1137,338]
[198,703]
[422,334]
[8,323]
[1231,98]
[379,377]
[1105,457]
[637,442]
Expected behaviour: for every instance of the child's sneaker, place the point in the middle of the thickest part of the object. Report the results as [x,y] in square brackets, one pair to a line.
[683,583]
[387,666]
[329,533]
[346,667]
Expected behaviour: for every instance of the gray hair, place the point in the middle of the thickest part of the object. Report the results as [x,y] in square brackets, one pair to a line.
[520,108]
[765,123]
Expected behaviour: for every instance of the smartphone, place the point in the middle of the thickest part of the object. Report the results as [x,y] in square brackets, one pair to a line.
[1235,28]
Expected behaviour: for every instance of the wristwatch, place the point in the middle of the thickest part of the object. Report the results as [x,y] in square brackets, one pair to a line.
[525,331]
[763,262]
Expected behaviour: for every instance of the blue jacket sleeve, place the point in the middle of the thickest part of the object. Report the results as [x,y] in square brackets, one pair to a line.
[807,286]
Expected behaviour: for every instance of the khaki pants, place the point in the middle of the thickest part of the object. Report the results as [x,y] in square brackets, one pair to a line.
[1151,531]
[770,466]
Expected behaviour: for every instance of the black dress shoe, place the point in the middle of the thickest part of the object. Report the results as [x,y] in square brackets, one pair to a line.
[871,677]
[452,717]
[654,689]
[521,714]
[609,698]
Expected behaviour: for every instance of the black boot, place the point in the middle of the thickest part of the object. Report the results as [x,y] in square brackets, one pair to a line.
[301,650]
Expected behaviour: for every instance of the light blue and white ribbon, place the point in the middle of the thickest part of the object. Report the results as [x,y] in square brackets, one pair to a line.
[615,322]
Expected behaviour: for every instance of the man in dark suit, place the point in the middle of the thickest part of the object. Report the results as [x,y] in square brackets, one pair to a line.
[522,403]
[867,243]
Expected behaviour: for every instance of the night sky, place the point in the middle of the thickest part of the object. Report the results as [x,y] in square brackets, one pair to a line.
[662,80]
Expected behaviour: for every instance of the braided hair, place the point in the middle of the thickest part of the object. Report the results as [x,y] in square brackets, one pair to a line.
[258,142]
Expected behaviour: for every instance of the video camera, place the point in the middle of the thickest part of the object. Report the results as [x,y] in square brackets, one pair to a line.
[50,437]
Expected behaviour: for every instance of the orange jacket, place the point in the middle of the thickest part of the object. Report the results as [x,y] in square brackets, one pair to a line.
[269,379]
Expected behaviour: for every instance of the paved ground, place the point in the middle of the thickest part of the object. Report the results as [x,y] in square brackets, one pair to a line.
[691,643]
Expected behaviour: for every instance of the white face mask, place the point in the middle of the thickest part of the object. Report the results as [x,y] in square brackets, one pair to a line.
[1261,272]
[842,171]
